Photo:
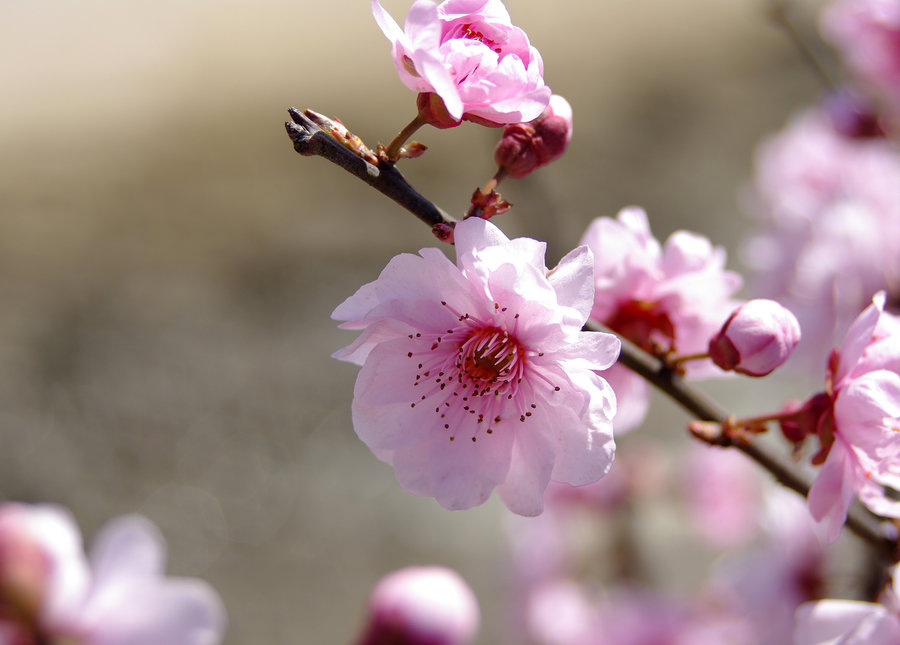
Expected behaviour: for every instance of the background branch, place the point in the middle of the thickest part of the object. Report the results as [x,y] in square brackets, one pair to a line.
[311,140]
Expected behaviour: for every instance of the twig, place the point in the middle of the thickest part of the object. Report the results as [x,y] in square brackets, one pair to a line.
[310,140]
[778,11]
[705,409]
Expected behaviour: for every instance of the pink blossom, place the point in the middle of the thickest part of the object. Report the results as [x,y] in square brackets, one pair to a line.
[670,297]
[867,35]
[857,423]
[525,147]
[469,54]
[829,238]
[421,606]
[49,591]
[758,337]
[476,375]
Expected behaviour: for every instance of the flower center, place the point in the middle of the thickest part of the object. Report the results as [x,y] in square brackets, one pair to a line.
[489,355]
[644,323]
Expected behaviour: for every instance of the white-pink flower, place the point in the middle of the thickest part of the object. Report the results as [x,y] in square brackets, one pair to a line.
[867,35]
[469,54]
[757,338]
[49,591]
[858,427]
[421,606]
[661,297]
[849,622]
[476,375]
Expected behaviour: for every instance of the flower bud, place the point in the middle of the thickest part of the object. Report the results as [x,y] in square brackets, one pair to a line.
[421,606]
[757,337]
[525,147]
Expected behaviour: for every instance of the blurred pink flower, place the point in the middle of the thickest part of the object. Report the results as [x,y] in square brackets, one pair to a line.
[867,35]
[851,622]
[669,297]
[758,337]
[469,54]
[829,208]
[766,583]
[476,375]
[722,495]
[857,424]
[525,147]
[50,592]
[421,606]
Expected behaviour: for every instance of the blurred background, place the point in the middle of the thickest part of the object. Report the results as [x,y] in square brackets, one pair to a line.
[168,264]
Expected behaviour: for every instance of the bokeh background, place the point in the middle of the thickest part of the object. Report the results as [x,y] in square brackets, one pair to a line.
[168,264]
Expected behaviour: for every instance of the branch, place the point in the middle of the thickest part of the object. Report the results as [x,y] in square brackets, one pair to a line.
[859,521]
[310,140]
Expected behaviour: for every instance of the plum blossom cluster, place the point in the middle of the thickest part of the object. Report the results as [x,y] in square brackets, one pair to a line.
[50,592]
[829,207]
[476,375]
[665,298]
[856,421]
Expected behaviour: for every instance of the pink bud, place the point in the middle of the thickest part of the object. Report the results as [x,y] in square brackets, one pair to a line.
[421,606]
[525,147]
[757,337]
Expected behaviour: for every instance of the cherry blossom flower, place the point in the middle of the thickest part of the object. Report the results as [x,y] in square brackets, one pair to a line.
[670,297]
[856,422]
[849,622]
[421,606]
[758,337]
[49,591]
[829,237]
[525,147]
[867,35]
[476,375]
[469,54]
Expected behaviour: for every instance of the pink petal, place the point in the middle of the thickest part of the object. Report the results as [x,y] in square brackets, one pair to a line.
[387,24]
[528,475]
[858,337]
[592,350]
[632,397]
[171,611]
[832,491]
[845,622]
[573,279]
[127,548]
[423,26]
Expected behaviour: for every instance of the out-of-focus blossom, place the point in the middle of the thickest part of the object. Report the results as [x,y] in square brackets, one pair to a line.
[829,207]
[525,147]
[50,593]
[847,622]
[757,338]
[421,606]
[767,583]
[670,297]
[856,422]
[561,613]
[722,495]
[867,35]
[468,54]
[476,375]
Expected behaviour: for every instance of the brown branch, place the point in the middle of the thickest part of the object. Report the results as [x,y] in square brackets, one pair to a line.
[310,140]
[859,520]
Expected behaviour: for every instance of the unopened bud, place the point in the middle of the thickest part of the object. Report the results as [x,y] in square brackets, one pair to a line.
[525,147]
[757,337]
[421,606]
